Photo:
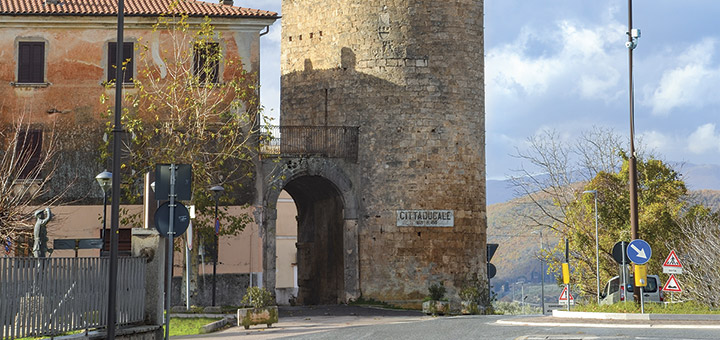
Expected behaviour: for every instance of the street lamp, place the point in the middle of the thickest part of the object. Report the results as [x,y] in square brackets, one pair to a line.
[105,180]
[217,192]
[542,274]
[597,247]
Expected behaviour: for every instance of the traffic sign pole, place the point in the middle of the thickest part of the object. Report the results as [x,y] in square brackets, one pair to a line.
[624,271]
[169,259]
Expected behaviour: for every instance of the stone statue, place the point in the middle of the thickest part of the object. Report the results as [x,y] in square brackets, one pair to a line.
[43,216]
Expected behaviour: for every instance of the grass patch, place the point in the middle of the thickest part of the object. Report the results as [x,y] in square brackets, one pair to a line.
[202,310]
[47,337]
[689,307]
[361,301]
[188,326]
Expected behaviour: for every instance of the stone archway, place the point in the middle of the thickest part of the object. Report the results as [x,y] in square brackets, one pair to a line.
[327,244]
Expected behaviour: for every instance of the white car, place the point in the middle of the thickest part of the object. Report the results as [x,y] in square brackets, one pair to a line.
[613,291]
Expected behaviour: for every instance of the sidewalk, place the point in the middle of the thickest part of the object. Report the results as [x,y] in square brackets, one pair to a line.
[312,319]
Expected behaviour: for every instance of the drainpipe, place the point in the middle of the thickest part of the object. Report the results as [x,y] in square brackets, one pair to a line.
[267,29]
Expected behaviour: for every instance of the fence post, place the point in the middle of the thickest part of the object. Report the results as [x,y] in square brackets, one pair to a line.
[147,243]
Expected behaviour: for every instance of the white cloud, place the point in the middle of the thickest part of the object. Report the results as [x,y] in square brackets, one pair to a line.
[704,139]
[655,140]
[580,59]
[691,84]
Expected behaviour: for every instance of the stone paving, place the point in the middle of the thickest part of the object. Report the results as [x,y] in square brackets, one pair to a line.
[304,320]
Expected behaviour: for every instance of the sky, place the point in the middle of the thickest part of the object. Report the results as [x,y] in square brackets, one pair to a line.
[563,65]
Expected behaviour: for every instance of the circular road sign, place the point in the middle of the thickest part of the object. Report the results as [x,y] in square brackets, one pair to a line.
[639,251]
[162,219]
[491,270]
[620,249]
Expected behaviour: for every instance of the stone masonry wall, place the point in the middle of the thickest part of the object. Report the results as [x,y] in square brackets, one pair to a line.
[409,73]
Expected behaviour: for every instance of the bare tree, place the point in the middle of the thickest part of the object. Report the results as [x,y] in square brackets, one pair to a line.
[26,167]
[193,103]
[556,172]
[553,168]
[699,251]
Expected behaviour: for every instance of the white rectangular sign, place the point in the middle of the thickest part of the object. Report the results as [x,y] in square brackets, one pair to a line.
[672,270]
[425,218]
[549,307]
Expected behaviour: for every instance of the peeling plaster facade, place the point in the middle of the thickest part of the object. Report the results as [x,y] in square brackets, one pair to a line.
[67,103]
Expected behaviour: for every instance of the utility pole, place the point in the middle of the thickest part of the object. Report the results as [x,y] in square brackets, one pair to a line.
[633,35]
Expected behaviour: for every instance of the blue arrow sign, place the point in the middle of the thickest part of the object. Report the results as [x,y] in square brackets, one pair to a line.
[639,252]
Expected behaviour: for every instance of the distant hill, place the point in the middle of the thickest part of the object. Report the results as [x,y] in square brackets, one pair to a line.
[700,177]
[516,257]
[499,191]
[696,177]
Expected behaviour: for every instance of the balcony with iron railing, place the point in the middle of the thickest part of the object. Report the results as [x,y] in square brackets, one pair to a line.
[322,141]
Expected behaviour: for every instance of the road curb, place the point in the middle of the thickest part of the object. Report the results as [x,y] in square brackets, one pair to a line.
[597,325]
[635,316]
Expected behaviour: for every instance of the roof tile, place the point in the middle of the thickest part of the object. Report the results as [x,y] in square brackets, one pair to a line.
[132,8]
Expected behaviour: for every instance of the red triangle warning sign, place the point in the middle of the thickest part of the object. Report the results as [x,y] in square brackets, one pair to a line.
[564,295]
[672,285]
[672,260]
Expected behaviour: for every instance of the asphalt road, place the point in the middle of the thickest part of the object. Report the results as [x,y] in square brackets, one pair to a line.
[486,327]
[352,322]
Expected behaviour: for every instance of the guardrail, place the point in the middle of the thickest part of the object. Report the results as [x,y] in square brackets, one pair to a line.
[327,141]
[50,296]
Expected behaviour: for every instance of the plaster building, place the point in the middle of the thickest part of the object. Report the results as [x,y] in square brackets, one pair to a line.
[57,54]
[382,146]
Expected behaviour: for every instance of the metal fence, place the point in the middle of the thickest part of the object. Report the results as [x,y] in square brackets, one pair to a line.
[50,296]
[328,141]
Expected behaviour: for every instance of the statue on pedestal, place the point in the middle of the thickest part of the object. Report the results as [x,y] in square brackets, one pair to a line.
[43,216]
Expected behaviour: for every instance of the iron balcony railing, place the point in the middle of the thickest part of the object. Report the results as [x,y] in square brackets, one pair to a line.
[326,141]
[50,296]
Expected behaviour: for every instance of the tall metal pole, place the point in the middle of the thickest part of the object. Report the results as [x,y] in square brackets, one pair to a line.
[115,206]
[633,160]
[217,252]
[597,252]
[597,245]
[217,191]
[169,258]
[104,216]
[542,275]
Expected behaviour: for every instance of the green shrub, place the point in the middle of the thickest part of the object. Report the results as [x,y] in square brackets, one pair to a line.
[471,293]
[258,297]
[437,291]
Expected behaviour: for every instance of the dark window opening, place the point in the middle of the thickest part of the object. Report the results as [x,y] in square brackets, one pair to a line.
[28,152]
[126,64]
[206,62]
[31,62]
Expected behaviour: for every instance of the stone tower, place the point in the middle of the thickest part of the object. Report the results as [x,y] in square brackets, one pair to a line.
[404,207]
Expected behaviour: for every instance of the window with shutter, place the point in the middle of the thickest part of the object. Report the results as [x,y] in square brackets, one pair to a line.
[28,152]
[207,62]
[31,62]
[126,64]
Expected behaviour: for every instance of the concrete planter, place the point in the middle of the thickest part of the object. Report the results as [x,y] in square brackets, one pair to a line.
[256,316]
[469,307]
[436,307]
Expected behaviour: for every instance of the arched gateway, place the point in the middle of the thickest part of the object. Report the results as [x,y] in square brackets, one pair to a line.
[382,146]
[327,243]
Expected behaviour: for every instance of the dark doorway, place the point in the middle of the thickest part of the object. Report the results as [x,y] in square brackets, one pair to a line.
[320,257]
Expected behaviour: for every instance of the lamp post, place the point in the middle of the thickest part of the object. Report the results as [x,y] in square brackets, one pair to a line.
[542,273]
[217,192]
[597,247]
[105,180]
